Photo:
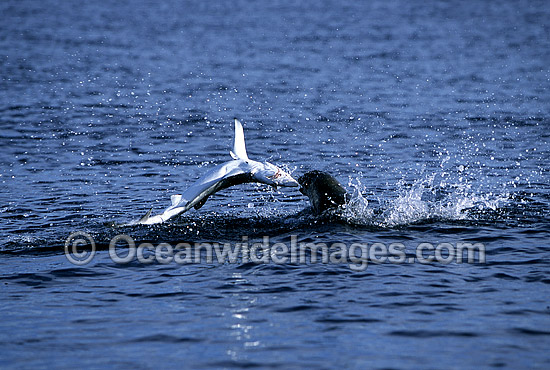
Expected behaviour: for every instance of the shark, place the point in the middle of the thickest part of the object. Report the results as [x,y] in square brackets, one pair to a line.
[239,170]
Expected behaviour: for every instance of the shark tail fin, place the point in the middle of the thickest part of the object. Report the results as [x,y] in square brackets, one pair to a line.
[239,147]
[146,217]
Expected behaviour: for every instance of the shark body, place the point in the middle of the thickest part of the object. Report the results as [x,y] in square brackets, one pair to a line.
[240,170]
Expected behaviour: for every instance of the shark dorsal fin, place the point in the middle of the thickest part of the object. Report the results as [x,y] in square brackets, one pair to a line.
[239,147]
[175,199]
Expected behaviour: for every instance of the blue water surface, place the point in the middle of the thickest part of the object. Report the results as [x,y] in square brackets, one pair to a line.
[434,115]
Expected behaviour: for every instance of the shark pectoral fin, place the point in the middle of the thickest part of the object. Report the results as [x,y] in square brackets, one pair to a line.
[200,203]
[175,199]
[239,147]
[146,217]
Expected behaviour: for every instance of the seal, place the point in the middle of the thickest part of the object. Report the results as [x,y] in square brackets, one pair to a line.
[323,190]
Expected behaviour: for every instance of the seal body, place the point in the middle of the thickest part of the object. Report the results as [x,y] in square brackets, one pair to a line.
[323,190]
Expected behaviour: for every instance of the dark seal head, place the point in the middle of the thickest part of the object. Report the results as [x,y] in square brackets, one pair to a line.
[323,190]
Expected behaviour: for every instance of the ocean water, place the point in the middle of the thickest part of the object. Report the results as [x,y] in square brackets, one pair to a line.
[434,115]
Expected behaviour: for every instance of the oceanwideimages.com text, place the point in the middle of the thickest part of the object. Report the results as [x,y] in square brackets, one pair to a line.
[123,250]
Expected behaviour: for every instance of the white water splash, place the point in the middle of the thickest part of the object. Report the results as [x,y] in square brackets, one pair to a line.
[356,210]
[420,201]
